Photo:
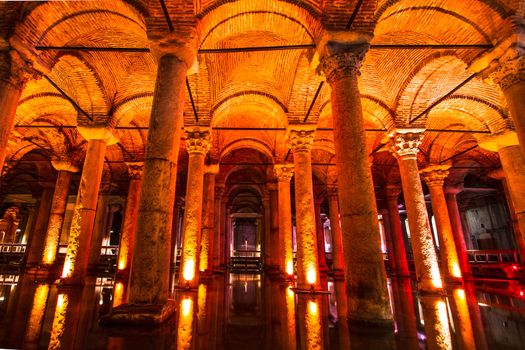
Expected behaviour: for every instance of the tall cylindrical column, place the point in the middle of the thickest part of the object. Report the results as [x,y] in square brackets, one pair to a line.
[337,241]
[127,240]
[284,173]
[149,282]
[301,140]
[434,177]
[198,143]
[58,209]
[267,245]
[38,236]
[274,229]
[208,220]
[76,261]
[100,226]
[368,301]
[405,149]
[398,241]
[321,250]
[218,247]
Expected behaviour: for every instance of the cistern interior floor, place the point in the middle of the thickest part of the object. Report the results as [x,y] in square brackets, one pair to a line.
[262,174]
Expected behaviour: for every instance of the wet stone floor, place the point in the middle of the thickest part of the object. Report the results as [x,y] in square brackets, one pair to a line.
[235,311]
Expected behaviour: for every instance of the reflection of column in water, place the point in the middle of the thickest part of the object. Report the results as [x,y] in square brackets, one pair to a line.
[437,328]
[118,293]
[310,322]
[461,317]
[36,317]
[203,318]
[288,318]
[404,314]
[475,316]
[64,332]
[185,324]
[342,315]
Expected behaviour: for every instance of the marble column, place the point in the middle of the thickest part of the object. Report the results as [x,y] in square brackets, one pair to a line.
[321,250]
[405,148]
[76,261]
[38,236]
[337,241]
[208,220]
[274,226]
[149,288]
[398,240]
[510,76]
[176,230]
[301,139]
[14,74]
[218,229]
[513,165]
[434,177]
[267,245]
[101,225]
[58,209]
[129,226]
[457,229]
[284,173]
[198,143]
[368,300]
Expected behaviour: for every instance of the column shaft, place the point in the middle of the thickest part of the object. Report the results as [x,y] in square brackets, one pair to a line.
[284,173]
[208,221]
[365,273]
[149,282]
[38,236]
[75,264]
[457,229]
[276,241]
[218,213]
[337,241]
[398,241]
[129,225]
[100,227]
[56,218]
[516,105]
[320,237]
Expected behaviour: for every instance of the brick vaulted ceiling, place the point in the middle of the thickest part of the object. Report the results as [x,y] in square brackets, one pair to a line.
[256,89]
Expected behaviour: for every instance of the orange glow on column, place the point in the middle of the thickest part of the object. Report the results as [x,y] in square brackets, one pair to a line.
[436,276]
[289,267]
[122,264]
[189,270]
[313,326]
[118,294]
[36,317]
[456,272]
[311,276]
[59,322]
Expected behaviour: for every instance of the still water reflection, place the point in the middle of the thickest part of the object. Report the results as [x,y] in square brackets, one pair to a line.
[252,312]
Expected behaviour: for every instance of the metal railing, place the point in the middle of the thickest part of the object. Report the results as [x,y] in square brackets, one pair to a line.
[493,256]
[12,248]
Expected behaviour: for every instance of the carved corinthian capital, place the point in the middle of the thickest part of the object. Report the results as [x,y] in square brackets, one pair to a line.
[405,143]
[340,63]
[198,141]
[301,139]
[283,172]
[435,175]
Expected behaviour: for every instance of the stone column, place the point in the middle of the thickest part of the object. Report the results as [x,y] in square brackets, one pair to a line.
[101,225]
[198,143]
[75,264]
[58,209]
[405,149]
[127,240]
[365,273]
[149,287]
[274,229]
[337,241]
[513,165]
[218,229]
[176,230]
[301,139]
[457,229]
[284,173]
[321,250]
[208,220]
[398,241]
[269,263]
[434,177]
[14,74]
[38,236]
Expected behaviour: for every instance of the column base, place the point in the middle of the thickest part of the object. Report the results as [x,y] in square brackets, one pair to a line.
[139,315]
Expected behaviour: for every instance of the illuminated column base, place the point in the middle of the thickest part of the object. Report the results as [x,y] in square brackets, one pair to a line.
[405,148]
[434,177]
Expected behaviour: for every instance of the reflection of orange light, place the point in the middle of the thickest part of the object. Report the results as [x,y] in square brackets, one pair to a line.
[186,306]
[184,328]
[122,264]
[189,270]
[311,276]
[436,277]
[118,294]
[59,322]
[460,293]
[67,271]
[312,307]
[289,268]
[37,313]
[456,272]
[314,331]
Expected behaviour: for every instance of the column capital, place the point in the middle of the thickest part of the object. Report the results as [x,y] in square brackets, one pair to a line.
[497,174]
[64,165]
[301,137]
[496,142]
[98,132]
[198,140]
[211,169]
[340,54]
[135,170]
[392,191]
[283,172]
[405,142]
[15,70]
[332,191]
[184,47]
[435,175]
[458,188]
